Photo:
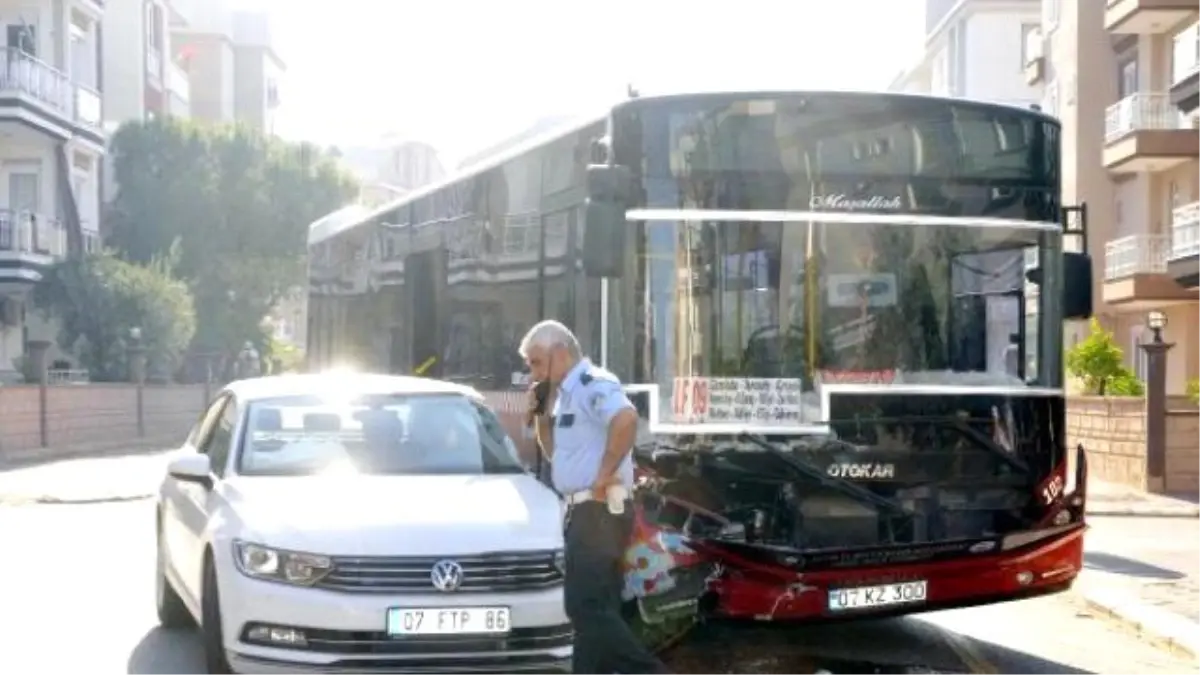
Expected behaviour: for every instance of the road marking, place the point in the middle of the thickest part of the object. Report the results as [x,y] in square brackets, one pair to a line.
[964,648]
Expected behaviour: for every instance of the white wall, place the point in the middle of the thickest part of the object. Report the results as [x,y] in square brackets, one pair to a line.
[994,67]
[977,53]
[124,60]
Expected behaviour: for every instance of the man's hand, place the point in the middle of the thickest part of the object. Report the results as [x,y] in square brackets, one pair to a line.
[600,487]
[534,400]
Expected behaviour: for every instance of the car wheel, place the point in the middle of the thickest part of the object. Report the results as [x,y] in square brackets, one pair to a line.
[210,623]
[172,613]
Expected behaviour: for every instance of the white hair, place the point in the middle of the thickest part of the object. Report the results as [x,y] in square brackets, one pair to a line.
[548,334]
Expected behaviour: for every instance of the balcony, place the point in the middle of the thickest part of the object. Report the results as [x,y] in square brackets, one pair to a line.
[179,91]
[29,242]
[1146,132]
[1146,17]
[1182,263]
[1135,272]
[29,86]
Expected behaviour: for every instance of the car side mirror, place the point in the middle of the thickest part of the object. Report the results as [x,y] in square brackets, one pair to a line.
[195,468]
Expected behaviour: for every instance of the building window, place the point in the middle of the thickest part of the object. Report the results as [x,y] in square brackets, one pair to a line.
[1031,47]
[1052,9]
[23,37]
[154,27]
[1127,77]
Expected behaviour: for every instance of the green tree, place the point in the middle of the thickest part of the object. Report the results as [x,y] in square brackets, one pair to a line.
[1100,364]
[237,202]
[99,298]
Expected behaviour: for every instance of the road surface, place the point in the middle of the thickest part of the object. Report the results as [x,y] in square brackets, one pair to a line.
[76,592]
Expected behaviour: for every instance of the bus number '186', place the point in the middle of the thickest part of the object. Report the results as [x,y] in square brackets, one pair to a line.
[1053,489]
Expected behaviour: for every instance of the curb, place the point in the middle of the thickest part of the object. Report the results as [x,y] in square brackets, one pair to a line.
[1130,512]
[1162,628]
[25,459]
[30,500]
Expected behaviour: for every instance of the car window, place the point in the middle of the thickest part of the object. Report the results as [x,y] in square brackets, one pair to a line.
[206,421]
[423,434]
[218,442]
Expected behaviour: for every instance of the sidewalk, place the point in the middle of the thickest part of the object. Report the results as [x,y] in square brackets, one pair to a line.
[1143,572]
[124,477]
[1109,499]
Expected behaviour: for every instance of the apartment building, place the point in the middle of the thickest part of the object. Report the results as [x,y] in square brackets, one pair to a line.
[975,49]
[139,63]
[51,148]
[1121,75]
[233,69]
[392,167]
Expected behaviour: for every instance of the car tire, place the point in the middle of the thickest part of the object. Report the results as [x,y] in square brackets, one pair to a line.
[210,624]
[172,612]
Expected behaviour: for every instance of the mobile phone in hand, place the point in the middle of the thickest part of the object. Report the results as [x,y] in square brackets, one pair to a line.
[541,392]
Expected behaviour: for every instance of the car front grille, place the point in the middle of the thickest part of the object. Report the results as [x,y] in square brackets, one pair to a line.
[493,572]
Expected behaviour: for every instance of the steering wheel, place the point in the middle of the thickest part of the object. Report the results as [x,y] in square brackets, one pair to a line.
[749,354]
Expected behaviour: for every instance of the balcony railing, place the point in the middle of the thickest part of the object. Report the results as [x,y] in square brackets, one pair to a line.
[1185,231]
[178,80]
[1136,254]
[88,109]
[24,74]
[1142,112]
[26,232]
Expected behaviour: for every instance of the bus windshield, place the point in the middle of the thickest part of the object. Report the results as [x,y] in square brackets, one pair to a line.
[838,302]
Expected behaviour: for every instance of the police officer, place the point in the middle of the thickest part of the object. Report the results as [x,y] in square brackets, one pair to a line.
[588,434]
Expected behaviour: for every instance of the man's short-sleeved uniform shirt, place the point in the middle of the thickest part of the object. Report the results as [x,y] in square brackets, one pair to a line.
[588,399]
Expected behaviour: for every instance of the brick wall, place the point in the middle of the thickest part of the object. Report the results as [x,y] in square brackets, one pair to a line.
[1113,431]
[1183,451]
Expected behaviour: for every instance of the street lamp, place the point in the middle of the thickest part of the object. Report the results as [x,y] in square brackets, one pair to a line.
[1157,321]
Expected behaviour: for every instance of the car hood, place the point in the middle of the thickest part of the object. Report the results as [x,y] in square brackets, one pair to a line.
[397,515]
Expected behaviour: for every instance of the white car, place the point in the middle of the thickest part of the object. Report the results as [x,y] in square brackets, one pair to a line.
[334,523]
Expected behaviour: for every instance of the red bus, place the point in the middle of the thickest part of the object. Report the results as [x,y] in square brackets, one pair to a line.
[841,315]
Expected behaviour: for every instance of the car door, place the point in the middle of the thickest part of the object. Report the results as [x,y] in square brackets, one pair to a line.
[195,501]
[175,540]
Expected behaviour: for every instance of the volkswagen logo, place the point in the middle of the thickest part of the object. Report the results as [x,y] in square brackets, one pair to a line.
[446,575]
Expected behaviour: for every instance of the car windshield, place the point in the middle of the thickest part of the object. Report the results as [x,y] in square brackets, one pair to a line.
[383,435]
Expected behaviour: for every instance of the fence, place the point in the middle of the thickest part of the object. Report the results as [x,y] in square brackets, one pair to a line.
[1113,431]
[44,422]
[39,423]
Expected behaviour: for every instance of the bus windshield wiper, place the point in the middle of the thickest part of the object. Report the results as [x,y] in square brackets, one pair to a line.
[816,474]
[972,434]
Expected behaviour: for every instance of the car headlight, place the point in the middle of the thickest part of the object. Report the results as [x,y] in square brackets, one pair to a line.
[263,562]
[560,561]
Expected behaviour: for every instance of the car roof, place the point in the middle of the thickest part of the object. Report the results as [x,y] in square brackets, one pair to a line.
[274,386]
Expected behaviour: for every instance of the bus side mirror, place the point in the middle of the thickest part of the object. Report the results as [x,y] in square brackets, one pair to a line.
[1077,286]
[609,192]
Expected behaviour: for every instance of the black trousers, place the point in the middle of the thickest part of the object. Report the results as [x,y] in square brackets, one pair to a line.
[595,544]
